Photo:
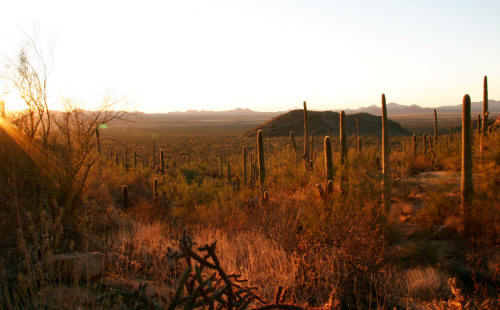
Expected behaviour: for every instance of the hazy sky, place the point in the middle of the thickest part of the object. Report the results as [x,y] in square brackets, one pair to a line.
[264,55]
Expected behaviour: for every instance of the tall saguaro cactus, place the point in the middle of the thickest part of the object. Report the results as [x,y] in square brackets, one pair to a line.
[162,161]
[343,154]
[435,127]
[292,140]
[328,159]
[306,136]
[386,182]
[466,191]
[155,189]
[485,106]
[482,137]
[450,135]
[260,154]
[414,145]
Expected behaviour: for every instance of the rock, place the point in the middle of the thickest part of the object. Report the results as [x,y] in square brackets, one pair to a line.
[79,265]
[445,232]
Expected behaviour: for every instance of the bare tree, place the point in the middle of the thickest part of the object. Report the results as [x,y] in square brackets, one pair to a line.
[27,74]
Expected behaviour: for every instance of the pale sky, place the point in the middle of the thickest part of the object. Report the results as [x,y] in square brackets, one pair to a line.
[264,55]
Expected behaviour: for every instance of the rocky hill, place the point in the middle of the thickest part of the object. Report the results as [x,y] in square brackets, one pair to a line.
[324,123]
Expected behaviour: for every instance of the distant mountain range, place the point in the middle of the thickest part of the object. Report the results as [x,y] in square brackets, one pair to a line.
[392,109]
[399,109]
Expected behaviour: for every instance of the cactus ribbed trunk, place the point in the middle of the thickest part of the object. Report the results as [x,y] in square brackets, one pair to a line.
[260,154]
[306,136]
[386,196]
[245,166]
[466,191]
[125,196]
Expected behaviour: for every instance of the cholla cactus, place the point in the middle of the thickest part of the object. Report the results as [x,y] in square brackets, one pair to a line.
[260,155]
[386,182]
[125,196]
[466,191]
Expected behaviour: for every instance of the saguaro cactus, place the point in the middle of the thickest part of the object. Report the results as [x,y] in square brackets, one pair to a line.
[306,136]
[343,154]
[360,146]
[125,196]
[424,142]
[386,196]
[343,139]
[228,171]
[155,189]
[162,161]
[414,145]
[435,127]
[260,154]
[485,106]
[292,140]
[154,154]
[479,125]
[221,166]
[450,135]
[466,191]
[328,159]
[245,166]
[311,150]
[135,159]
